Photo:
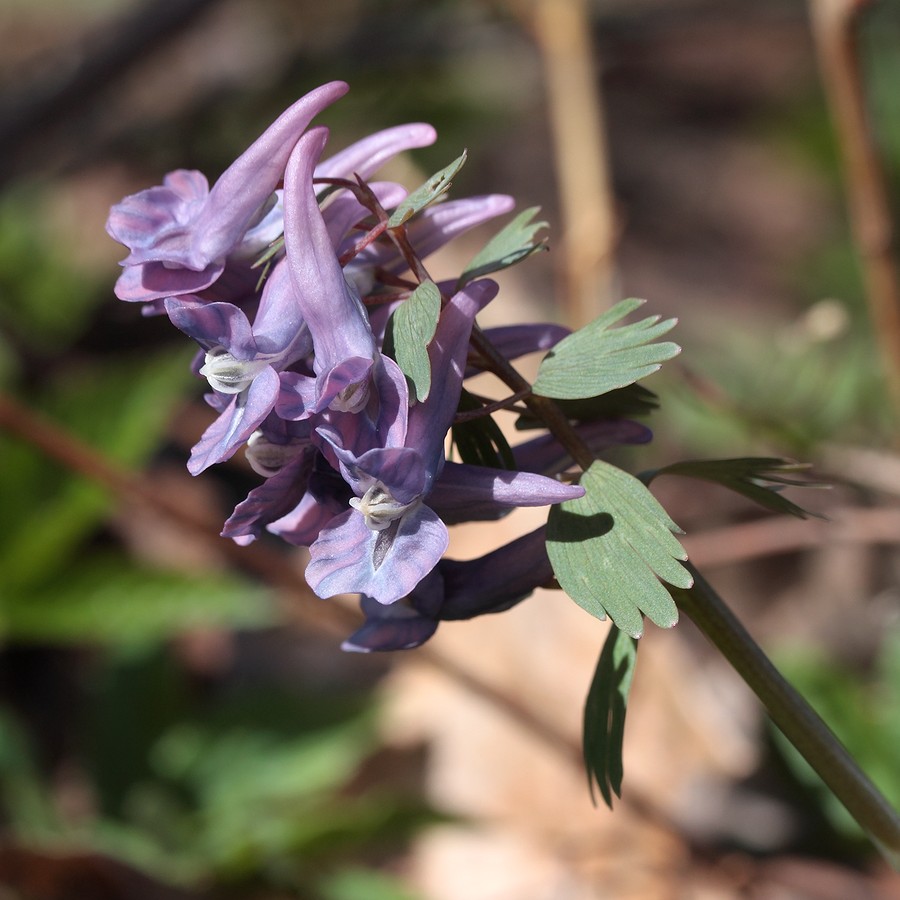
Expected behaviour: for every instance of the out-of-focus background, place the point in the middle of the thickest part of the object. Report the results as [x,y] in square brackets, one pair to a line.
[176,717]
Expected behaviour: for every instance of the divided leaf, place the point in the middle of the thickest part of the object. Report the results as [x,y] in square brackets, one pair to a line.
[427,193]
[608,547]
[510,245]
[414,324]
[481,442]
[759,479]
[599,358]
[604,715]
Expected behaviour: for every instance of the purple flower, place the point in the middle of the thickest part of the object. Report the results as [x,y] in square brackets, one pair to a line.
[342,338]
[466,493]
[436,226]
[278,495]
[180,233]
[390,539]
[455,590]
[368,155]
[514,341]
[242,361]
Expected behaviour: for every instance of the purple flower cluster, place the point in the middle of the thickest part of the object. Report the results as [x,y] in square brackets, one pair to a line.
[352,468]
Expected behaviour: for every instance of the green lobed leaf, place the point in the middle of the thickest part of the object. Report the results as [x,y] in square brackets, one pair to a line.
[427,193]
[759,479]
[510,245]
[604,715]
[414,323]
[599,358]
[608,547]
[481,442]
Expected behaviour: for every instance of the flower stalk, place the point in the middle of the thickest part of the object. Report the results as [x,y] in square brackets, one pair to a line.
[793,716]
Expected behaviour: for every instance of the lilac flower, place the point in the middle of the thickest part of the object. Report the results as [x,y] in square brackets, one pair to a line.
[455,590]
[342,338]
[242,361]
[466,493]
[326,496]
[277,496]
[514,341]
[351,469]
[390,539]
[344,211]
[180,233]
[436,226]
[368,155]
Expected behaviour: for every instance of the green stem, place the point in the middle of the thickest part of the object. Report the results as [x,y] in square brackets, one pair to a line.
[799,722]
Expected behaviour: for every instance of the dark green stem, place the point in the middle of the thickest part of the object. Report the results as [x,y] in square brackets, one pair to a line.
[799,722]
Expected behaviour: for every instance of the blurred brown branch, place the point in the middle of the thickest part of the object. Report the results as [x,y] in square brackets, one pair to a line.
[785,534]
[562,31]
[835,24]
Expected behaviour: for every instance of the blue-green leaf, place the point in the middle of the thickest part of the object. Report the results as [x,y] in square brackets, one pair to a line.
[427,193]
[599,358]
[414,323]
[759,479]
[481,442]
[608,547]
[510,245]
[604,714]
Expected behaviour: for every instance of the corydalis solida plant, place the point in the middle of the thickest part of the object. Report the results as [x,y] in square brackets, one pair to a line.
[340,365]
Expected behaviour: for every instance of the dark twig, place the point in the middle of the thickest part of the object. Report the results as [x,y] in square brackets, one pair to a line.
[835,28]
[488,407]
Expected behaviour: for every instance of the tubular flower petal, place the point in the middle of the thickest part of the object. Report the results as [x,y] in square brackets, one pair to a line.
[181,233]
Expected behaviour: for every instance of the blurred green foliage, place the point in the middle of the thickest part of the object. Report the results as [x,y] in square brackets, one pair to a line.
[862,708]
[251,789]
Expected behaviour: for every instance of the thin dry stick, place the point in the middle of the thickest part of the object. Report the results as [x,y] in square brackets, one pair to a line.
[835,31]
[562,31]
[784,534]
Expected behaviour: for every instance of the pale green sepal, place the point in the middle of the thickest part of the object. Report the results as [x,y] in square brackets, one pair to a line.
[604,715]
[415,322]
[598,358]
[510,245]
[608,547]
[427,193]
